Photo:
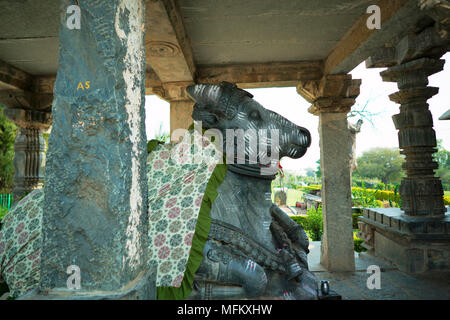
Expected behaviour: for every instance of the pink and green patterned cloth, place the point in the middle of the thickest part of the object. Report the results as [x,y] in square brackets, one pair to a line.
[20,244]
[176,186]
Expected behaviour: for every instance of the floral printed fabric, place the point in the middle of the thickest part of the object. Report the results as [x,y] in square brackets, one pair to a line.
[20,244]
[176,182]
[176,187]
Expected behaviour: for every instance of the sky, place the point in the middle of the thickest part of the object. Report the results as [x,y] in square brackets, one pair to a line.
[288,103]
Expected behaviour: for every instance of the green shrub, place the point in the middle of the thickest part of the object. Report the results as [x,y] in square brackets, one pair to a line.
[358,243]
[383,195]
[380,186]
[301,220]
[390,187]
[365,198]
[3,212]
[355,216]
[308,188]
[446,200]
[312,223]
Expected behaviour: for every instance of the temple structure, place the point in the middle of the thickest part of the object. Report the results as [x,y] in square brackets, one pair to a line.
[310,45]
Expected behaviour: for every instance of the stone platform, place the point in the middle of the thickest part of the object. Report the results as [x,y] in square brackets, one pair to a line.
[414,244]
[394,284]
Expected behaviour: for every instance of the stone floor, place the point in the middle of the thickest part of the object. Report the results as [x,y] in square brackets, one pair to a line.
[395,285]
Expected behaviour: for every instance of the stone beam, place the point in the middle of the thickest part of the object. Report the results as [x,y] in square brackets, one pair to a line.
[359,42]
[332,93]
[261,75]
[12,78]
[19,89]
[439,11]
[14,87]
[168,48]
[38,97]
[427,43]
[153,84]
[42,89]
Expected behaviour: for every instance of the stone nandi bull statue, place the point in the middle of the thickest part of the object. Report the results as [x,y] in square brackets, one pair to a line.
[253,250]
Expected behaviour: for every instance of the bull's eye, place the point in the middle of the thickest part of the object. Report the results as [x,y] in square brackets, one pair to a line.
[254,114]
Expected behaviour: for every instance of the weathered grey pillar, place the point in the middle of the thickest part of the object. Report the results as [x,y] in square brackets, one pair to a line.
[95,211]
[331,100]
[337,252]
[29,149]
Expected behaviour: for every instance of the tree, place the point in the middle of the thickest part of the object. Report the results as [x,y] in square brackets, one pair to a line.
[310,172]
[382,163]
[318,171]
[7,138]
[442,157]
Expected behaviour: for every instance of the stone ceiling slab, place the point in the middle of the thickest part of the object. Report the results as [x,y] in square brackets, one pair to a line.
[234,31]
[37,56]
[220,33]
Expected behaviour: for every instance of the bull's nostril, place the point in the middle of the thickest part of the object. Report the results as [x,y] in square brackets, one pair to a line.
[306,137]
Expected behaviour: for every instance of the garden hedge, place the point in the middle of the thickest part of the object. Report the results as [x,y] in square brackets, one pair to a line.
[385,195]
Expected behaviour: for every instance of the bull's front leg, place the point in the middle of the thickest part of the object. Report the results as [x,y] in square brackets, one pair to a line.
[294,245]
[226,275]
[298,240]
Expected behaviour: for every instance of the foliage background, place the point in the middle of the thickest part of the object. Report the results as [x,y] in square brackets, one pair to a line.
[7,138]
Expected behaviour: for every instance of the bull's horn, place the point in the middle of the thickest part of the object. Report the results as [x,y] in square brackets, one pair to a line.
[205,93]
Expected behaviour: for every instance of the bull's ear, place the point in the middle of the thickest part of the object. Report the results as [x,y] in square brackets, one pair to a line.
[247,93]
[226,84]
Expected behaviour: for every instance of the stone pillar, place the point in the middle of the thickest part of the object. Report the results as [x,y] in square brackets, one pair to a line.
[95,205]
[181,106]
[337,242]
[180,115]
[331,100]
[420,191]
[415,58]
[415,238]
[29,149]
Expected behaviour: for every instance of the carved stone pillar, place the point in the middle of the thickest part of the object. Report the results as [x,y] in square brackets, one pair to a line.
[415,58]
[331,100]
[29,149]
[416,238]
[421,192]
